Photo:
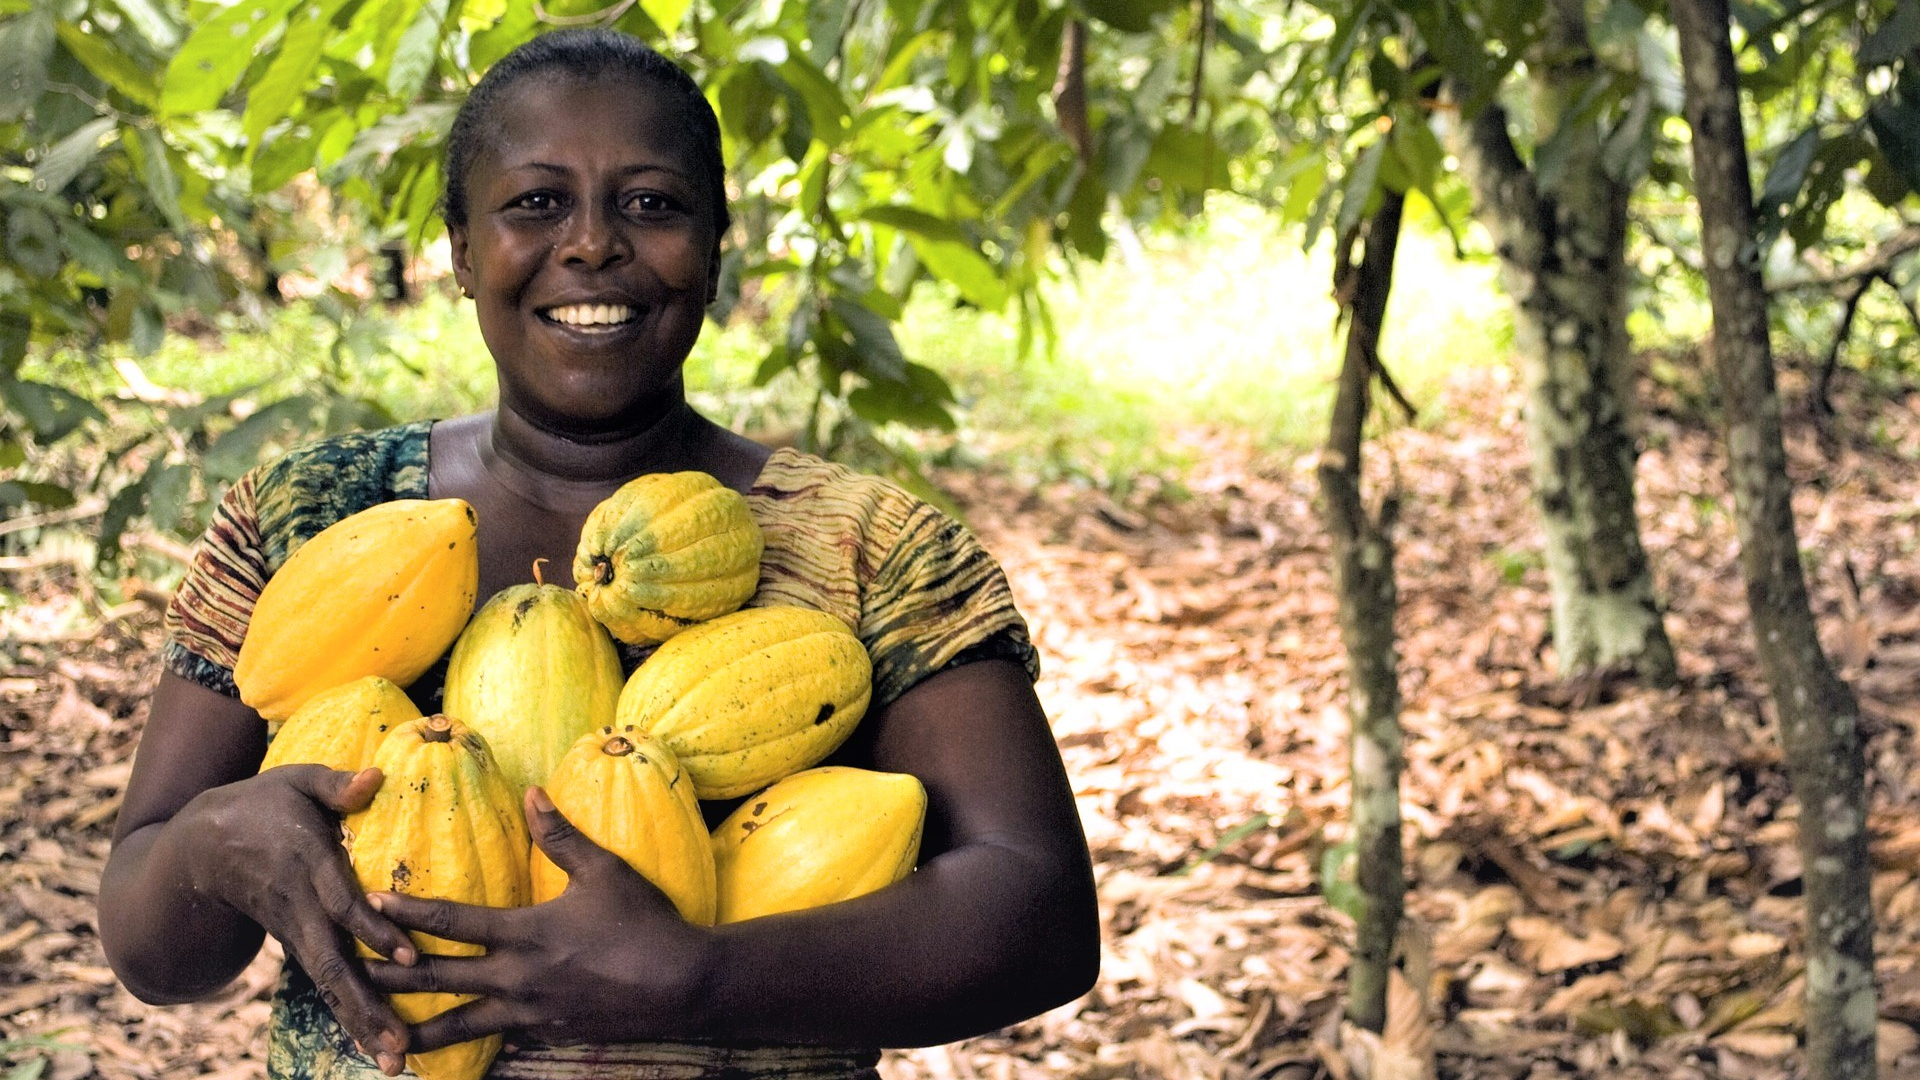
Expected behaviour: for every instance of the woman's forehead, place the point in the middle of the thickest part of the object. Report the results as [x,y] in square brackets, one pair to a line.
[612,113]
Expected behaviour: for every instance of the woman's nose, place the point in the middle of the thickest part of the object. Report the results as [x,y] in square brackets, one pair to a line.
[592,237]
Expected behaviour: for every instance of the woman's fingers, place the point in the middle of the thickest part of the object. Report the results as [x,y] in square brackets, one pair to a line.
[474,1020]
[472,923]
[439,975]
[346,907]
[363,1012]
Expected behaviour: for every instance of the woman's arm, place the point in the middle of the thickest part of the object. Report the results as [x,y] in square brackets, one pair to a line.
[207,857]
[998,924]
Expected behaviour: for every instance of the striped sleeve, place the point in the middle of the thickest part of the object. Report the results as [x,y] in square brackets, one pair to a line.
[937,599]
[208,617]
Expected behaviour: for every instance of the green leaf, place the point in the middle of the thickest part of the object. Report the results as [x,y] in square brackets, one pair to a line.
[33,241]
[1128,16]
[12,454]
[50,411]
[26,47]
[1896,129]
[875,351]
[1897,37]
[71,155]
[112,64]
[913,220]
[217,53]
[286,80]
[122,508]
[53,497]
[244,446]
[415,52]
[1362,184]
[1785,178]
[157,26]
[16,329]
[169,494]
[826,107]
[964,268]
[152,159]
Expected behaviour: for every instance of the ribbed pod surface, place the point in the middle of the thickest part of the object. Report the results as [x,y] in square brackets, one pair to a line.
[532,673]
[750,697]
[666,551]
[341,728]
[381,592]
[445,824]
[817,837]
[629,794]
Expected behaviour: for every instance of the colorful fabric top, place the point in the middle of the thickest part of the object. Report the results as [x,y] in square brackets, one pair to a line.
[911,582]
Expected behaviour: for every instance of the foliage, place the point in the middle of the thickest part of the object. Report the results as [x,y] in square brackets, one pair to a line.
[163,158]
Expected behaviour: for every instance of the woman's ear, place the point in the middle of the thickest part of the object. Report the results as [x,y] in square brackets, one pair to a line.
[462,269]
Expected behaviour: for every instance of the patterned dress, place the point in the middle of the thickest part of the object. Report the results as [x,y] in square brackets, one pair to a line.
[913,583]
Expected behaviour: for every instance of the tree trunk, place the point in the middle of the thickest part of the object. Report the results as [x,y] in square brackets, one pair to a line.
[1818,716]
[1561,232]
[1363,577]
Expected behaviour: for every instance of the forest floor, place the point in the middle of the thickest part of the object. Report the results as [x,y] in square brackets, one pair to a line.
[1603,879]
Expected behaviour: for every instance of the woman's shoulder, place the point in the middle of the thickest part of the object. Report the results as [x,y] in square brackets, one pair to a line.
[317,483]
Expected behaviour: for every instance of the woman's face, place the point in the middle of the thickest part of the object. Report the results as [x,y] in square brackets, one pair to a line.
[589,250]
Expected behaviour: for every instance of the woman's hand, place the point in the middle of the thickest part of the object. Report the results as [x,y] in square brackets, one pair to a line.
[271,851]
[609,960]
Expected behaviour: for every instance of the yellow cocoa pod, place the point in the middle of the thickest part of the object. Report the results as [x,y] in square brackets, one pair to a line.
[628,794]
[751,697]
[818,837]
[381,592]
[343,727]
[532,673]
[664,552]
[447,825]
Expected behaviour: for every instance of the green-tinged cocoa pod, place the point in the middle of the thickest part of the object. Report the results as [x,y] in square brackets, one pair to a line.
[446,824]
[381,592]
[818,837]
[343,727]
[751,697]
[628,794]
[666,551]
[532,673]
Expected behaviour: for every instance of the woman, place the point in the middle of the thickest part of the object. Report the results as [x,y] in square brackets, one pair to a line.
[585,207]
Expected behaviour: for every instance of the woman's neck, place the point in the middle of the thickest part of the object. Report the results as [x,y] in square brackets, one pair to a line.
[562,470]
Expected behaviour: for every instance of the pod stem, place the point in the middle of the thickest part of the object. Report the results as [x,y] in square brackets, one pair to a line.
[602,570]
[617,746]
[537,579]
[439,728]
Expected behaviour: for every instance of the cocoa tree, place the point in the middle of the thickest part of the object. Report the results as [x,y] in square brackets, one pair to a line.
[1818,716]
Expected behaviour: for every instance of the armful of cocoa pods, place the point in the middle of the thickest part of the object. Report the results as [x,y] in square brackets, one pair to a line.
[997,923]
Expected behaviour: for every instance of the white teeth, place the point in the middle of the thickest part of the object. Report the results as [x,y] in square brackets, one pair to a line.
[591,314]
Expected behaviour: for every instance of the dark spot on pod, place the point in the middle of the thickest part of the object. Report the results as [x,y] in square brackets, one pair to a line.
[747,827]
[826,712]
[759,808]
[402,874]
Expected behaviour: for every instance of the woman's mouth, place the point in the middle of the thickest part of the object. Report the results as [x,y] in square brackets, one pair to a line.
[590,316]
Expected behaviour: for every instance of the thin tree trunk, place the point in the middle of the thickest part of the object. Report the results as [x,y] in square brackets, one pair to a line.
[1818,716]
[1363,576]
[1561,233]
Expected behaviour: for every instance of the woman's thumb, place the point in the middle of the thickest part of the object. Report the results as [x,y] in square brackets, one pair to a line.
[569,848]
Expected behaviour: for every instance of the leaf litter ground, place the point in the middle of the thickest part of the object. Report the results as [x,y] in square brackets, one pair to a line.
[1604,879]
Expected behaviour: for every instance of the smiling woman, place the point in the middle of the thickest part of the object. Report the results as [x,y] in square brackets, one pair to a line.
[586,212]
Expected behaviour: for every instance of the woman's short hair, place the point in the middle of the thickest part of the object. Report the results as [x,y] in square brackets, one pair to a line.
[586,53]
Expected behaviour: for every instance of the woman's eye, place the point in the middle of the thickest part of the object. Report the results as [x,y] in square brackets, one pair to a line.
[536,201]
[648,202]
